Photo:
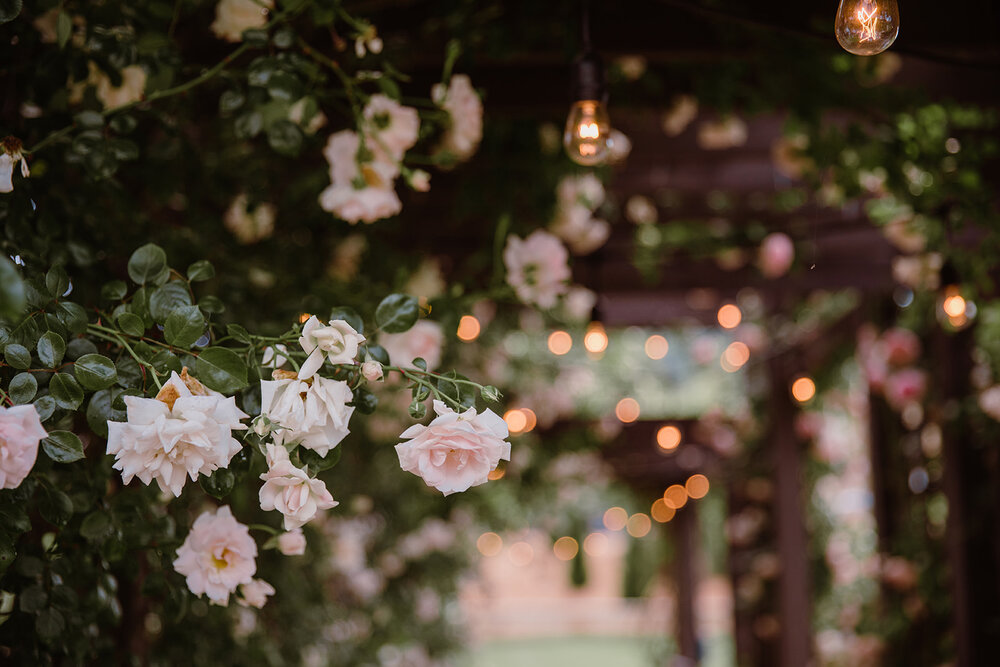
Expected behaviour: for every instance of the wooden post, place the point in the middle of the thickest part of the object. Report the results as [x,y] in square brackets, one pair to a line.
[687,531]
[793,583]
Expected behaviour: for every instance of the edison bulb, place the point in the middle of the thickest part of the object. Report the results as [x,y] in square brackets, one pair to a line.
[867,27]
[587,130]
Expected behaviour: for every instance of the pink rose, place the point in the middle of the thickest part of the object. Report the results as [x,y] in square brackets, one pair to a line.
[456,450]
[777,252]
[902,346]
[292,543]
[255,593]
[218,556]
[905,387]
[537,268]
[423,340]
[20,432]
[291,491]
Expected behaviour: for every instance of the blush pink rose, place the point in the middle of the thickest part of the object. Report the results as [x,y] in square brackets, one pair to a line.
[218,556]
[902,346]
[20,432]
[292,543]
[423,340]
[456,451]
[777,252]
[537,268]
[904,387]
[291,491]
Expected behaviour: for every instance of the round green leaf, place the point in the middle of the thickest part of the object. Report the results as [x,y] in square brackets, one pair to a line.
[57,281]
[148,265]
[12,294]
[55,507]
[17,356]
[45,406]
[51,348]
[131,324]
[114,290]
[238,332]
[100,411]
[9,9]
[33,599]
[201,270]
[184,326]
[350,316]
[222,370]
[317,462]
[167,298]
[63,446]
[66,391]
[72,316]
[78,347]
[220,484]
[397,313]
[23,388]
[95,371]
[96,526]
[285,137]
[211,305]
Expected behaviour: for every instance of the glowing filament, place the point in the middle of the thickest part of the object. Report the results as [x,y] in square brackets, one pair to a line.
[589,131]
[869,23]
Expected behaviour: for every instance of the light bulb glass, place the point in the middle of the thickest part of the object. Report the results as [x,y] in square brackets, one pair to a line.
[587,130]
[867,27]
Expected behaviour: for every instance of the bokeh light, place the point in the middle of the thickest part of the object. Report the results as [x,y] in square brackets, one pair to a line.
[639,525]
[657,347]
[566,548]
[521,554]
[560,343]
[304,317]
[468,328]
[803,389]
[954,305]
[596,544]
[489,544]
[729,316]
[675,496]
[596,339]
[735,356]
[498,473]
[668,437]
[627,410]
[615,518]
[516,420]
[697,486]
[661,512]
[531,420]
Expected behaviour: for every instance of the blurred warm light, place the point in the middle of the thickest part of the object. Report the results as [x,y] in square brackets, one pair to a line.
[468,328]
[560,342]
[489,544]
[735,356]
[516,420]
[697,486]
[596,339]
[639,525]
[627,410]
[675,496]
[803,389]
[304,317]
[662,512]
[531,420]
[498,473]
[954,304]
[657,347]
[615,518]
[668,437]
[521,554]
[595,544]
[566,548]
[729,316]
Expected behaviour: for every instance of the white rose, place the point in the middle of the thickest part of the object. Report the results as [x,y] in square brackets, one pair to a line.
[20,432]
[455,451]
[292,543]
[291,491]
[232,17]
[10,155]
[338,342]
[372,370]
[255,593]
[274,357]
[465,109]
[217,556]
[313,413]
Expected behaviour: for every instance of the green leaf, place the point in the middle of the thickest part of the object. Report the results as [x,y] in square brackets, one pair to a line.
[317,462]
[184,326]
[95,372]
[211,305]
[13,298]
[285,137]
[131,324]
[222,370]
[167,298]
[96,526]
[492,394]
[78,347]
[230,101]
[239,333]
[148,265]
[418,410]
[9,9]
[350,316]
[33,599]
[57,281]
[379,354]
[91,120]
[51,348]
[64,29]
[23,388]
[114,290]
[72,316]
[45,406]
[365,401]
[7,553]
[248,125]
[56,507]
[100,411]
[63,446]
[67,393]
[397,313]
[201,270]
[220,484]
[165,361]
[17,356]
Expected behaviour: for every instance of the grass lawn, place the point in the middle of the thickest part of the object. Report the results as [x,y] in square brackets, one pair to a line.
[576,651]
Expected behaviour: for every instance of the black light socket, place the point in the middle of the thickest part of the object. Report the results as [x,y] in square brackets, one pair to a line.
[588,78]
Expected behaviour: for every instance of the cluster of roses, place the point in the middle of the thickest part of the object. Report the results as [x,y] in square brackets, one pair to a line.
[364,165]
[186,430]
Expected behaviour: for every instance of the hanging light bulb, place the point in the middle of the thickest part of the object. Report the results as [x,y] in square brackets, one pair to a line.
[588,128]
[953,309]
[867,27]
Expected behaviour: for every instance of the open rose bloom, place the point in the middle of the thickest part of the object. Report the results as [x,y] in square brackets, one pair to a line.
[218,556]
[456,451]
[184,432]
[337,341]
[312,412]
[537,268]
[291,491]
[20,433]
